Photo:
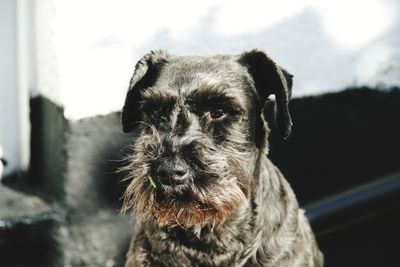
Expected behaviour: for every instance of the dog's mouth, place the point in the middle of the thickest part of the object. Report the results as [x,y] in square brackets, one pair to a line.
[180,192]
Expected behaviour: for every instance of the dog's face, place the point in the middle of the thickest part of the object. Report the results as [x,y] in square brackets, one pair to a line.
[201,128]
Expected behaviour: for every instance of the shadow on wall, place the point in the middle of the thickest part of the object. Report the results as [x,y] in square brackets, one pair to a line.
[95,151]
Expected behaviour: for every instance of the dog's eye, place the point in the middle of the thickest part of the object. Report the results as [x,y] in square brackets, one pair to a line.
[156,112]
[216,112]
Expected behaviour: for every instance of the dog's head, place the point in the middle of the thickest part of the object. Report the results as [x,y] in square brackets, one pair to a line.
[201,130]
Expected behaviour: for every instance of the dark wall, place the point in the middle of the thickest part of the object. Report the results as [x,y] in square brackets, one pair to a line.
[339,140]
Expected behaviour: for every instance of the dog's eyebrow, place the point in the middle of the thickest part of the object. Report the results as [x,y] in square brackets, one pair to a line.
[208,92]
[155,95]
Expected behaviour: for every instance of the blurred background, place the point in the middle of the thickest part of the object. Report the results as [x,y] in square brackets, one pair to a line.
[64,71]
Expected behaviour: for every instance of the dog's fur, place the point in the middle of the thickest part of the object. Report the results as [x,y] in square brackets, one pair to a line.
[200,184]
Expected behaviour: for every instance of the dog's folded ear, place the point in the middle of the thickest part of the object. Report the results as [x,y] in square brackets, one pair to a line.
[144,76]
[271,79]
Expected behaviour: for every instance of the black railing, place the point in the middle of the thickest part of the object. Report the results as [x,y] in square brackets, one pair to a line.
[358,204]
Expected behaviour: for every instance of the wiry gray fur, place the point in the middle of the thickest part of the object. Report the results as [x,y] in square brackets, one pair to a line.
[234,207]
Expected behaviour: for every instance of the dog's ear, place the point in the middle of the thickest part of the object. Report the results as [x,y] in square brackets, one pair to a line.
[271,79]
[145,74]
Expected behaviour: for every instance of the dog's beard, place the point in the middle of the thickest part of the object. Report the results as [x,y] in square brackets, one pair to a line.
[220,182]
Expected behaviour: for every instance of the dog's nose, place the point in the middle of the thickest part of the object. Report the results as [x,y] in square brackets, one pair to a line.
[171,175]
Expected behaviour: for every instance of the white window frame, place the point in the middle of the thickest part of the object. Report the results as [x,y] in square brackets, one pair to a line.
[14,84]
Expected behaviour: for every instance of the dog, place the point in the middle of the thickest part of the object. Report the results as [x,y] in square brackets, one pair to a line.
[200,183]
